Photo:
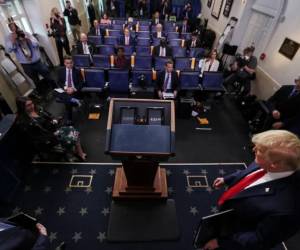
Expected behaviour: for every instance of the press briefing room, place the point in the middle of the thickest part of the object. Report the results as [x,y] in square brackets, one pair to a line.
[138,124]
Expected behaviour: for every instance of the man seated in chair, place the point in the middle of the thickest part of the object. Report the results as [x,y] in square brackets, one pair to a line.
[185,27]
[158,31]
[85,47]
[13,237]
[162,50]
[242,71]
[95,30]
[194,42]
[127,39]
[167,81]
[264,196]
[284,107]
[69,80]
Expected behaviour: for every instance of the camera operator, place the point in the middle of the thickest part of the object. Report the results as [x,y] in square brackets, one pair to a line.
[27,51]
[242,71]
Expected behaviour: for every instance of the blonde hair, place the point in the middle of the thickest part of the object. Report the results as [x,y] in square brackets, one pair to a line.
[279,146]
[53,11]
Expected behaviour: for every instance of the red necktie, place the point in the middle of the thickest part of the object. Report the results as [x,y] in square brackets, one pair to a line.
[69,81]
[238,187]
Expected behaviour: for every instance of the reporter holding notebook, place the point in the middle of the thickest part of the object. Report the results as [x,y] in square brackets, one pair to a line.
[264,196]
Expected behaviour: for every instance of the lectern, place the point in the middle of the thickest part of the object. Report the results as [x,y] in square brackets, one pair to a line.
[140,133]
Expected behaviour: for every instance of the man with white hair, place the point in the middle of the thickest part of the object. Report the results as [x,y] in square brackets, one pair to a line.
[85,47]
[158,31]
[264,196]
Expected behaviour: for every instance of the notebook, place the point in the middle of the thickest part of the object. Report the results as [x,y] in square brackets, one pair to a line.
[24,220]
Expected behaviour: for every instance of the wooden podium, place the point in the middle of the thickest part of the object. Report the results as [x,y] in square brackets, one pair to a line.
[140,146]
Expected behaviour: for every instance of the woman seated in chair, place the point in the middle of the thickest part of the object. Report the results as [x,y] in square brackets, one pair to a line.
[120,60]
[210,63]
[105,20]
[44,130]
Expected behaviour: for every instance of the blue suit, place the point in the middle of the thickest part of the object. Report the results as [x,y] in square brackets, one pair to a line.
[266,214]
[20,238]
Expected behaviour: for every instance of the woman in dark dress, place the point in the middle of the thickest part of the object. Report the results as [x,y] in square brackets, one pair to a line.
[43,129]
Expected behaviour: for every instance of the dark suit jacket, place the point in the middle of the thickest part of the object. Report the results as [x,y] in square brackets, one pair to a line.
[266,214]
[92,31]
[20,238]
[79,47]
[287,105]
[156,51]
[154,34]
[75,75]
[131,40]
[161,80]
[189,43]
[188,29]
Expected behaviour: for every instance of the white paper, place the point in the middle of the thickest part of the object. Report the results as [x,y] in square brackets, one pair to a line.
[8,65]
[194,113]
[59,90]
[168,95]
[18,79]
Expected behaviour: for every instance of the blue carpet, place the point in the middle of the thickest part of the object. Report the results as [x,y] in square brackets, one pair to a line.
[79,216]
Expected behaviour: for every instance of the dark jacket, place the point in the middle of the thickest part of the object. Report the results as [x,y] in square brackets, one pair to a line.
[262,212]
[91,12]
[20,238]
[72,15]
[79,48]
[156,51]
[187,29]
[189,43]
[131,40]
[75,76]
[161,80]
[58,30]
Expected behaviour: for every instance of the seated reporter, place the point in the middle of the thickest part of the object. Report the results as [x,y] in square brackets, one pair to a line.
[42,129]
[210,63]
[162,49]
[120,60]
[95,30]
[264,196]
[127,38]
[69,79]
[85,47]
[158,31]
[167,81]
[14,237]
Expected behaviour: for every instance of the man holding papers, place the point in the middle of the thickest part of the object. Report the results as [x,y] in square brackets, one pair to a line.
[264,197]
[167,82]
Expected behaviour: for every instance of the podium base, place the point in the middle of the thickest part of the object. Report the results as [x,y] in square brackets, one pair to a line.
[159,190]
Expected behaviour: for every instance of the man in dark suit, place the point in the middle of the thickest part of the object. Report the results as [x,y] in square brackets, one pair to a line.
[91,12]
[187,12]
[185,27]
[166,8]
[284,106]
[112,7]
[127,39]
[70,81]
[194,42]
[14,237]
[158,31]
[162,49]
[167,81]
[85,47]
[156,19]
[264,197]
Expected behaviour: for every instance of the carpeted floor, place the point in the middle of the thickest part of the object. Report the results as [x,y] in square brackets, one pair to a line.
[79,216]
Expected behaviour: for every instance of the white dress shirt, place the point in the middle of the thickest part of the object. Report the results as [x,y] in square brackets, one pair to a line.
[204,65]
[162,51]
[126,40]
[158,34]
[86,49]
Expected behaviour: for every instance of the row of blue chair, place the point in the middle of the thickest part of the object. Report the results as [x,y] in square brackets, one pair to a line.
[121,81]
[138,62]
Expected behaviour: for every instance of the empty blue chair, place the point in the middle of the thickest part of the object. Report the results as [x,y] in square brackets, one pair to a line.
[213,81]
[111,40]
[82,60]
[128,50]
[96,40]
[137,74]
[175,42]
[144,22]
[94,80]
[106,50]
[189,80]
[186,36]
[155,41]
[178,52]
[101,61]
[118,21]
[144,28]
[172,35]
[143,42]
[169,27]
[143,62]
[159,62]
[116,33]
[143,50]
[143,34]
[118,81]
[183,63]
[117,26]
[196,52]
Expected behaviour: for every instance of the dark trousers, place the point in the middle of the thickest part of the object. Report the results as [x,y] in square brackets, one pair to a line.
[33,70]
[60,46]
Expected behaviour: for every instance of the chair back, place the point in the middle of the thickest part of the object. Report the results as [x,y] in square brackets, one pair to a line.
[81,60]
[172,35]
[106,50]
[143,62]
[143,50]
[96,40]
[178,52]
[136,75]
[118,81]
[111,40]
[212,81]
[189,80]
[101,61]
[94,80]
[159,62]
[143,41]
